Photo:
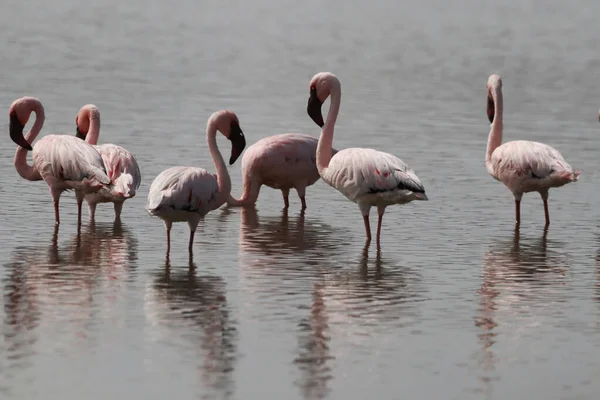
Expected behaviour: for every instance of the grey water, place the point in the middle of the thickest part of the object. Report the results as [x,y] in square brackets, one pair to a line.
[455,305]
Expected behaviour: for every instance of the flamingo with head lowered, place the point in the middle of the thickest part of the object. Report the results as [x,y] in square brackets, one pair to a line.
[522,166]
[64,162]
[367,177]
[189,193]
[120,164]
[286,161]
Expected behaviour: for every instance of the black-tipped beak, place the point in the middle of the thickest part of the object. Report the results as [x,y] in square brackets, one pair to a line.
[16,132]
[238,142]
[78,133]
[490,108]
[314,108]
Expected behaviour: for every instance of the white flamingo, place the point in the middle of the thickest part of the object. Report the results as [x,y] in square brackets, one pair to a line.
[188,193]
[367,177]
[523,166]
[64,162]
[120,164]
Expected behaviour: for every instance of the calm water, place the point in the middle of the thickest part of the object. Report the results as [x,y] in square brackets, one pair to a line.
[455,306]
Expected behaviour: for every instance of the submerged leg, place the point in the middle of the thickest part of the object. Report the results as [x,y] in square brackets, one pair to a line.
[286,197]
[302,193]
[380,212]
[168,225]
[193,225]
[92,211]
[546,212]
[118,208]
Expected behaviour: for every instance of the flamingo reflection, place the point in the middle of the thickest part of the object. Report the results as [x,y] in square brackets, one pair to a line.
[180,304]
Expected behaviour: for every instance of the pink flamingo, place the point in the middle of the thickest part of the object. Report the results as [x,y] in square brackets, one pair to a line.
[120,164]
[64,162]
[281,162]
[188,193]
[522,166]
[365,176]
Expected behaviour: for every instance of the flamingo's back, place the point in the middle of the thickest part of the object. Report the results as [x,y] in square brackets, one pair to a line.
[530,166]
[62,158]
[122,168]
[187,189]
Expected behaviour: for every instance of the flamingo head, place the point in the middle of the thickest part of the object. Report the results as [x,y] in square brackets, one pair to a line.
[86,114]
[321,86]
[494,84]
[19,113]
[229,125]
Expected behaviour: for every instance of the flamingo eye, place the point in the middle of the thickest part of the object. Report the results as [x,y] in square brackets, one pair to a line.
[313,88]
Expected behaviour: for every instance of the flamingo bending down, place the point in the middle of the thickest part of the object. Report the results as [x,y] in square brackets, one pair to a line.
[522,166]
[64,162]
[120,164]
[365,176]
[188,193]
[281,162]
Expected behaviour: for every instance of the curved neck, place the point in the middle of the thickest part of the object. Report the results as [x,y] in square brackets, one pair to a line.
[326,139]
[223,179]
[495,136]
[25,170]
[94,129]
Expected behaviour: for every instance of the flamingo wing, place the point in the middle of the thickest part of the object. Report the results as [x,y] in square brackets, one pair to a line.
[122,167]
[184,189]
[359,172]
[532,159]
[68,158]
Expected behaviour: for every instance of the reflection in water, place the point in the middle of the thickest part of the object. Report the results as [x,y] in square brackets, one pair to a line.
[180,299]
[56,290]
[516,274]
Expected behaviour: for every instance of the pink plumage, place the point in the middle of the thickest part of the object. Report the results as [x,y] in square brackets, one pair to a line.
[121,166]
[523,166]
[187,194]
[64,162]
[367,177]
[286,161]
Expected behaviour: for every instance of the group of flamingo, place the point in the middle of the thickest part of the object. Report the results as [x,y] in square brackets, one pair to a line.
[367,177]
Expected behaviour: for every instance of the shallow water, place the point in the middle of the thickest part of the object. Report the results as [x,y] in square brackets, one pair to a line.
[455,305]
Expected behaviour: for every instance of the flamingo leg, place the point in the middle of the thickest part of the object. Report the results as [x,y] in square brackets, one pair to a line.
[547,214]
[168,225]
[380,211]
[192,233]
[286,198]
[79,195]
[518,211]
[92,211]
[367,227]
[56,217]
[118,208]
[302,193]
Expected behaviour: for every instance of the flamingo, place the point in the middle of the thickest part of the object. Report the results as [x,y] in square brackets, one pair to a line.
[64,162]
[365,176]
[120,164]
[281,162]
[522,166]
[189,193]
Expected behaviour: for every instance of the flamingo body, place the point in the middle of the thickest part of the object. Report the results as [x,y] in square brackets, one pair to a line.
[120,164]
[183,194]
[286,161]
[63,162]
[373,178]
[523,166]
[365,176]
[186,194]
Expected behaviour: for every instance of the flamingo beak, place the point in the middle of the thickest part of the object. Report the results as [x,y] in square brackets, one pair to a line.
[16,132]
[490,108]
[314,107]
[238,142]
[78,133]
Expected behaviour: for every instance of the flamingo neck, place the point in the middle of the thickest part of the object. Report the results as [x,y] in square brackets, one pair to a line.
[324,147]
[223,180]
[94,127]
[25,170]
[495,136]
